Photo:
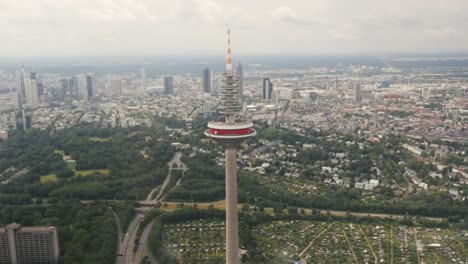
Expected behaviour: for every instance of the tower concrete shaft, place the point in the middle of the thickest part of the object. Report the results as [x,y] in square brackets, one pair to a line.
[232,236]
[231,131]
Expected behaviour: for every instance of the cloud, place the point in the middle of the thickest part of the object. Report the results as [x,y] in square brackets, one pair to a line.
[286,14]
[443,32]
[207,11]
[42,27]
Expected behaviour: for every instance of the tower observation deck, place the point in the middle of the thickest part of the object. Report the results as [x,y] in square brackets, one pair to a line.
[230,132]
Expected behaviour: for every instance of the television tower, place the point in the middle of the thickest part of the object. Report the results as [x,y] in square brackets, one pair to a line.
[230,132]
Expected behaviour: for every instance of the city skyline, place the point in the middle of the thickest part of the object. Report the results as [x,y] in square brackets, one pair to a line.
[326,131]
[319,27]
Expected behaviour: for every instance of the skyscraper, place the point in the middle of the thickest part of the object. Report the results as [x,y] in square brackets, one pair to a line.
[40,88]
[90,85]
[29,244]
[20,120]
[267,89]
[207,81]
[144,81]
[81,86]
[20,82]
[357,93]
[32,98]
[64,88]
[168,85]
[240,76]
[74,86]
[231,131]
[117,87]
[16,97]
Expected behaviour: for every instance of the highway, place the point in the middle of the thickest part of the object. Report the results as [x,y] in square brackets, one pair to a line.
[125,254]
[143,245]
[126,249]
[119,232]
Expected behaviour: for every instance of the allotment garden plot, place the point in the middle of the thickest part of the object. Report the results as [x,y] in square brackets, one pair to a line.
[200,241]
[327,242]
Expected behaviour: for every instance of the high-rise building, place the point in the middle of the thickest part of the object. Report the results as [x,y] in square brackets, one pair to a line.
[32,98]
[168,85]
[16,97]
[240,76]
[461,92]
[117,87]
[74,86]
[29,244]
[426,93]
[357,93]
[81,86]
[20,120]
[144,81]
[231,131]
[20,83]
[40,88]
[267,89]
[90,85]
[207,81]
[27,119]
[33,76]
[64,88]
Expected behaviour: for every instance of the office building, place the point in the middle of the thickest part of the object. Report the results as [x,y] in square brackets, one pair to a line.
[168,85]
[267,89]
[20,245]
[20,120]
[357,93]
[40,88]
[90,85]
[207,82]
[81,86]
[27,120]
[74,86]
[240,77]
[117,87]
[144,82]
[426,93]
[20,83]
[16,97]
[32,98]
[461,92]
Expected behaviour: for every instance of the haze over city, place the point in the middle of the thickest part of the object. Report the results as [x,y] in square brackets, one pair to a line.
[144,27]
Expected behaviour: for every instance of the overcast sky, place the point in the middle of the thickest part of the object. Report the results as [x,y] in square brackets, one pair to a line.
[112,27]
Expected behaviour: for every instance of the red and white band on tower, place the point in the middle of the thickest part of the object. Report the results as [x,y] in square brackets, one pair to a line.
[230,132]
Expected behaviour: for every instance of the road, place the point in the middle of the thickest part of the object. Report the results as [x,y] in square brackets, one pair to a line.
[128,245]
[143,246]
[119,232]
[125,255]
[179,165]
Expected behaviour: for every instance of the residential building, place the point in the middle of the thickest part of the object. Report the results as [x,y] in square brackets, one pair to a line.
[20,244]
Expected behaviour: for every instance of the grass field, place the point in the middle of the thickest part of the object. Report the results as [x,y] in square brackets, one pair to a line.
[99,139]
[84,173]
[58,151]
[49,178]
